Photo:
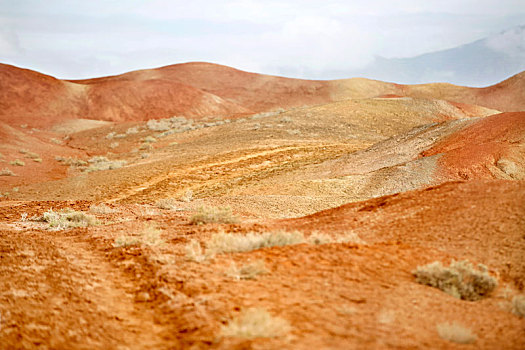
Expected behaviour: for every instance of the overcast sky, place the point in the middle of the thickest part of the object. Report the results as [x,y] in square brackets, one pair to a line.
[299,38]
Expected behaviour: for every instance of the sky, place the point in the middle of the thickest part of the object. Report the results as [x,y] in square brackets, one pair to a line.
[301,38]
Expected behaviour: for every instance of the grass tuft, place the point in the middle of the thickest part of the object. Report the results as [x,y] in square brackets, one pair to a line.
[456,333]
[167,203]
[205,215]
[102,209]
[6,172]
[234,243]
[17,162]
[518,305]
[150,236]
[248,271]
[194,251]
[98,163]
[256,323]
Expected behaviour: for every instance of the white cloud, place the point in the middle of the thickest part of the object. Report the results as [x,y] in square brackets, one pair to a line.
[301,38]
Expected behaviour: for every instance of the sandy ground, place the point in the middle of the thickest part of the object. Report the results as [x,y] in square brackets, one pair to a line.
[387,183]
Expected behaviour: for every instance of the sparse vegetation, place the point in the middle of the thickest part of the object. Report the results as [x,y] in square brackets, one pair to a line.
[149,139]
[102,163]
[125,241]
[256,323]
[158,125]
[234,243]
[6,172]
[71,161]
[194,251]
[456,333]
[132,130]
[206,215]
[518,305]
[146,147]
[17,162]
[167,203]
[222,242]
[102,209]
[247,271]
[150,236]
[460,279]
[187,196]
[67,218]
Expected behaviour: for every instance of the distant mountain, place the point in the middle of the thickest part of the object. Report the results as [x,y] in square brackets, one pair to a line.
[481,63]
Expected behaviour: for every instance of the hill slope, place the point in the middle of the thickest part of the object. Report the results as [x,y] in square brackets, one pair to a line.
[202,89]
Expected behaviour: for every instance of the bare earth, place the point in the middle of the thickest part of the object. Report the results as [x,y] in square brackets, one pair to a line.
[412,174]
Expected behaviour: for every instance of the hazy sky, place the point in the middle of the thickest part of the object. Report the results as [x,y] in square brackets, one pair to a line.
[300,38]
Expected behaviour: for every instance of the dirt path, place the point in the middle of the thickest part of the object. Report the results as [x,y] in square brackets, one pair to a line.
[56,291]
[216,175]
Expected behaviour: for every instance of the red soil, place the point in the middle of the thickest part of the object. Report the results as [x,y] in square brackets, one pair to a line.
[470,152]
[442,218]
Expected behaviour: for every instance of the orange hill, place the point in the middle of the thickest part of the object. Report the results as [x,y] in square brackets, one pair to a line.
[204,89]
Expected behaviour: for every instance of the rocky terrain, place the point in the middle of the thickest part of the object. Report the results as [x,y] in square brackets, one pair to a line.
[199,206]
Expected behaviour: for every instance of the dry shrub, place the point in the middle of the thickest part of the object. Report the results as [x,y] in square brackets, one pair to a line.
[6,172]
[317,238]
[17,162]
[518,305]
[125,241]
[102,209]
[256,323]
[460,279]
[194,251]
[71,161]
[206,215]
[150,236]
[132,130]
[146,147]
[102,163]
[456,333]
[167,203]
[247,271]
[149,139]
[158,125]
[67,218]
[234,243]
[187,196]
